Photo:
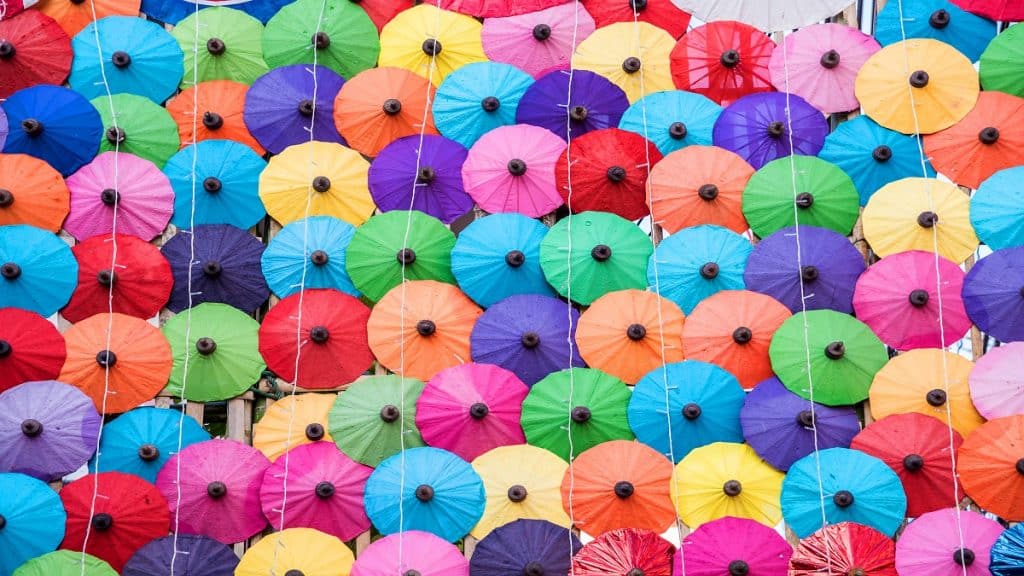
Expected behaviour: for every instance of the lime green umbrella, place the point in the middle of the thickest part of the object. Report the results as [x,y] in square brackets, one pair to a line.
[144,128]
[843,354]
[65,563]
[825,196]
[345,41]
[1002,63]
[370,419]
[595,253]
[378,249]
[585,403]
[229,46]
[223,352]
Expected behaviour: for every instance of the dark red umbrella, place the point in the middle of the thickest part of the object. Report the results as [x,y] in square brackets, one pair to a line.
[723,61]
[382,11]
[31,348]
[845,548]
[624,552]
[33,50]
[661,13]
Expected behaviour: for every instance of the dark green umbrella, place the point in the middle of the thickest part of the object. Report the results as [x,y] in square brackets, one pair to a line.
[345,40]
[1002,64]
[144,128]
[229,46]
[370,419]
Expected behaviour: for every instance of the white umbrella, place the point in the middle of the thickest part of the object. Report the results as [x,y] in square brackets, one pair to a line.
[766,15]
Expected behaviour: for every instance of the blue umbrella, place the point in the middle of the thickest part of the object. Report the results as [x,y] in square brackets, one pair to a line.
[325,240]
[674,119]
[525,547]
[138,57]
[32,520]
[855,487]
[1007,554]
[140,441]
[478,98]
[499,256]
[3,128]
[703,406]
[873,156]
[935,19]
[195,556]
[997,209]
[439,492]
[696,262]
[53,124]
[171,11]
[594,103]
[38,272]
[225,189]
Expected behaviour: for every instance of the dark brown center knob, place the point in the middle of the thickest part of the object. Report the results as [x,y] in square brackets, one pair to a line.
[624,489]
[321,40]
[106,358]
[542,32]
[809,273]
[776,129]
[935,398]
[1020,466]
[406,256]
[306,108]
[530,340]
[677,130]
[319,334]
[212,269]
[707,192]
[804,200]
[212,185]
[856,572]
[31,428]
[805,418]
[692,411]
[424,492]
[412,573]
[738,568]
[10,271]
[918,298]
[149,452]
[295,573]
[578,113]
[6,198]
[389,413]
[77,2]
[32,127]
[115,135]
[631,65]
[843,499]
[616,174]
[882,153]
[319,257]
[989,135]
[580,414]
[479,411]
[730,58]
[636,332]
[515,258]
[742,335]
[426,327]
[206,346]
[709,271]
[5,348]
[213,121]
[121,59]
[392,106]
[321,184]
[638,5]
[835,350]
[216,489]
[431,47]
[215,46]
[110,197]
[830,59]
[516,167]
[7,50]
[534,569]
[913,462]
[324,490]
[517,493]
[635,572]
[939,19]
[315,431]
[425,175]
[919,79]
[102,522]
[601,253]
[964,557]
[106,278]
[490,104]
[732,488]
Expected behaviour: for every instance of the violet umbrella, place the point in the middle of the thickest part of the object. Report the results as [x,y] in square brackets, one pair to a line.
[421,173]
[994,294]
[996,382]
[4,129]
[758,128]
[525,547]
[184,555]
[527,334]
[411,553]
[538,42]
[947,542]
[733,546]
[594,103]
[280,108]
[48,429]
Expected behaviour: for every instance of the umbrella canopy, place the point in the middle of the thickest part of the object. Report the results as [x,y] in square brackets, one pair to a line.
[524,546]
[58,125]
[303,550]
[232,42]
[286,104]
[73,17]
[36,51]
[138,126]
[174,10]
[1007,554]
[992,294]
[594,102]
[633,55]
[994,382]
[999,66]
[478,98]
[661,13]
[376,418]
[936,19]
[774,17]
[142,440]
[993,9]
[723,60]
[995,213]
[65,563]
[33,521]
[219,107]
[626,551]
[431,42]
[424,174]
[194,555]
[732,546]
[492,8]
[215,263]
[726,479]
[31,348]
[765,127]
[947,541]
[699,185]
[672,119]
[39,270]
[697,262]
[31,192]
[216,182]
[342,37]
[520,482]
[295,420]
[845,548]
[411,551]
[537,42]
[989,464]
[320,240]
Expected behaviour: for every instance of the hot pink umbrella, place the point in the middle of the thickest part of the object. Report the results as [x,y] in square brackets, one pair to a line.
[996,382]
[823,61]
[538,42]
[219,487]
[143,197]
[411,552]
[325,491]
[471,408]
[899,298]
[733,546]
[931,545]
[512,169]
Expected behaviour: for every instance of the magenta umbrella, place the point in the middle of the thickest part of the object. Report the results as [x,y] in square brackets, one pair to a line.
[471,408]
[411,552]
[997,383]
[733,546]
[931,545]
[538,42]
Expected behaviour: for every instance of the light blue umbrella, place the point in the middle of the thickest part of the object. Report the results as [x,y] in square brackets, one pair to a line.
[478,98]
[935,19]
[853,487]
[226,184]
[997,209]
[33,520]
[440,493]
[140,441]
[325,240]
[1008,553]
[38,272]
[674,119]
[697,262]
[53,124]
[139,57]
[499,256]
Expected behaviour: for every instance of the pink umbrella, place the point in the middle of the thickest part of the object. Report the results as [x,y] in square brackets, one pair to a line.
[144,197]
[733,546]
[898,297]
[996,382]
[823,61]
[512,169]
[411,552]
[540,41]
[471,408]
[931,545]
[325,491]
[219,487]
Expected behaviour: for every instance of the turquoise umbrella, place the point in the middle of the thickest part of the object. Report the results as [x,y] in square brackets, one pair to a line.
[310,252]
[33,520]
[697,262]
[478,98]
[224,188]
[38,272]
[672,119]
[937,20]
[140,441]
[997,209]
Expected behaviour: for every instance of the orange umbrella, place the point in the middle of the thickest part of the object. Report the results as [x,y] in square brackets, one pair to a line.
[991,467]
[380,105]
[73,16]
[434,328]
[219,107]
[31,192]
[699,185]
[733,329]
[625,333]
[619,484]
[135,355]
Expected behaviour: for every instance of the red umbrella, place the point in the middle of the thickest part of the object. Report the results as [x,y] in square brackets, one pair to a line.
[31,348]
[625,552]
[845,548]
[723,61]
[1004,10]
[661,13]
[33,50]
[140,278]
[382,11]
[126,513]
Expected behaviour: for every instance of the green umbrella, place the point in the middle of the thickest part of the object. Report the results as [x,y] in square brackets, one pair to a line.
[595,253]
[144,128]
[65,563]
[375,255]
[586,403]
[229,46]
[825,196]
[1002,63]
[224,358]
[345,41]
[843,354]
[370,418]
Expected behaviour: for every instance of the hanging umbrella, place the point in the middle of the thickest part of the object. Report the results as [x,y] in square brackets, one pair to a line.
[324,491]
[478,98]
[773,17]
[34,50]
[520,481]
[324,241]
[697,262]
[33,521]
[844,548]
[218,107]
[411,551]
[216,182]
[529,334]
[31,348]
[142,440]
[1007,554]
[765,127]
[138,126]
[38,269]
[284,105]
[524,547]
[1000,63]
[989,466]
[783,427]
[73,17]
[57,125]
[223,268]
[342,37]
[842,485]
[633,55]
[537,42]
[947,541]
[993,9]
[625,552]
[31,192]
[593,102]
[733,546]
[174,10]
[380,105]
[3,128]
[994,382]
[672,119]
[723,60]
[726,479]
[192,554]
[936,19]
[295,420]
[431,42]
[304,550]
[495,8]
[232,41]
[589,254]
[376,418]
[661,13]
[119,361]
[383,11]
[65,563]
[995,210]
[699,185]
[423,174]
[992,294]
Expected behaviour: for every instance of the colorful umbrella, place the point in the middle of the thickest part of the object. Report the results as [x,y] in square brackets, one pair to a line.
[661,13]
[376,418]
[989,466]
[495,8]
[537,42]
[65,563]
[844,548]
[993,9]
[232,40]
[31,192]
[303,550]
[215,263]
[3,128]
[38,269]
[520,481]
[216,182]
[593,102]
[1007,554]
[431,42]
[193,554]
[723,60]
[174,10]
[33,521]
[285,105]
[765,127]
[218,107]
[625,552]
[995,210]
[1000,63]
[732,546]
[34,50]
[524,547]
[57,125]
[633,55]
[478,98]
[342,37]
[994,382]
[320,240]
[31,348]
[424,174]
[925,545]
[726,479]
[774,17]
[672,119]
[138,126]
[73,17]
[699,185]
[295,420]
[411,551]
[697,262]
[142,440]
[992,294]
[936,19]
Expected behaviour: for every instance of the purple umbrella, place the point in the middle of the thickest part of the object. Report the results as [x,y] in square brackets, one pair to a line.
[225,267]
[48,429]
[436,176]
[197,556]
[993,294]
[830,268]
[524,547]
[779,425]
[3,128]
[279,106]
[756,128]
[596,103]
[527,334]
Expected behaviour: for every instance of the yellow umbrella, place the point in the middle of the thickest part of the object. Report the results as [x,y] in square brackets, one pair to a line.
[305,414]
[297,551]
[918,214]
[726,479]
[521,482]
[426,33]
[329,177]
[633,56]
[928,79]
